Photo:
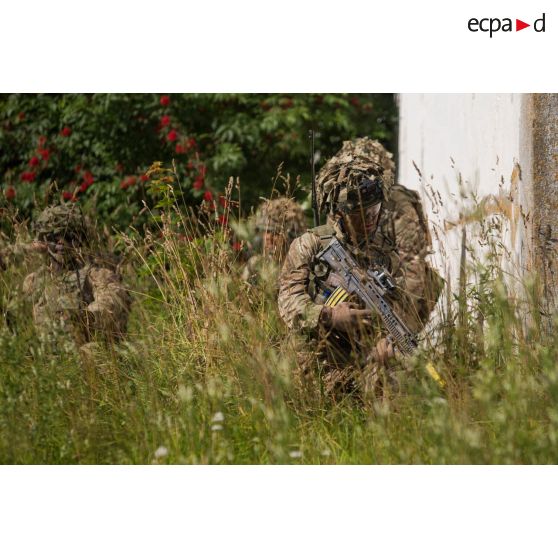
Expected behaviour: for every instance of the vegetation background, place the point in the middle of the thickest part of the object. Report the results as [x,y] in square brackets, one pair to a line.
[98,147]
[209,374]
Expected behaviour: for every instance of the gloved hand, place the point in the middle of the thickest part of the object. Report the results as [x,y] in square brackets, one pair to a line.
[345,317]
[384,352]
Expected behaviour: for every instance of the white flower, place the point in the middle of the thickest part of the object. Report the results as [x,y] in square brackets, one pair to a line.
[216,427]
[161,451]
[295,454]
[218,417]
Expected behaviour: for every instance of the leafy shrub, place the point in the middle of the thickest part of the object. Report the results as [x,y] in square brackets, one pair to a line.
[97,147]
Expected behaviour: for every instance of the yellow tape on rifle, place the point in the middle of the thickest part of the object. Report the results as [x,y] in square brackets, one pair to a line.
[337,296]
[434,374]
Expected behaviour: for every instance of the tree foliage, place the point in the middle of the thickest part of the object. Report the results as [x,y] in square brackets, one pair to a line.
[97,147]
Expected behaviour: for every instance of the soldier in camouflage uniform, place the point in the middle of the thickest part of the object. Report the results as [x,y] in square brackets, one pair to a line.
[380,223]
[278,222]
[75,302]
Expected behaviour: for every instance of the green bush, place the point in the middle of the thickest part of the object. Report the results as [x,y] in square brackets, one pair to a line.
[97,147]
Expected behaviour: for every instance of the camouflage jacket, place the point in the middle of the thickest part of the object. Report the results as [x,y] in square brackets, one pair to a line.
[87,304]
[400,244]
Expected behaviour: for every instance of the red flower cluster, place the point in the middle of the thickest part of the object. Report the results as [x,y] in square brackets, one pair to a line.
[127,182]
[207,195]
[198,183]
[172,135]
[165,100]
[66,132]
[88,178]
[68,196]
[28,176]
[165,121]
[44,153]
[144,178]
[237,246]
[10,193]
[34,161]
[223,220]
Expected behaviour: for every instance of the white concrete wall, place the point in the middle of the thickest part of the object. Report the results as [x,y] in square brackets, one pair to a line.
[466,147]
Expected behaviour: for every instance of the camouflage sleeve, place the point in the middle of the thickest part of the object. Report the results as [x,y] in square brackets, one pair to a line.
[296,307]
[411,269]
[111,302]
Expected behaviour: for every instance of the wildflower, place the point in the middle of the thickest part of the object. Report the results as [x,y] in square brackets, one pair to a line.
[34,161]
[68,196]
[296,454]
[180,149]
[202,170]
[216,421]
[237,246]
[218,417]
[10,193]
[44,153]
[66,132]
[172,135]
[165,100]
[207,195]
[190,143]
[223,220]
[161,452]
[28,176]
[83,187]
[165,121]
[144,178]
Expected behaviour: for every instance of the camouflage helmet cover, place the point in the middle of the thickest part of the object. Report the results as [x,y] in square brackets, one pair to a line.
[358,162]
[64,219]
[280,215]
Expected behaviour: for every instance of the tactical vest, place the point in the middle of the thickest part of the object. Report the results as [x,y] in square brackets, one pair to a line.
[381,250]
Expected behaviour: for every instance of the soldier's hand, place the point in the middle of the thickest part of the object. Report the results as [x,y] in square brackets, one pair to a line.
[384,352]
[345,317]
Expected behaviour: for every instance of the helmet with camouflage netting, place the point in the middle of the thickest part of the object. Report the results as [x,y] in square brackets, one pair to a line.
[281,215]
[64,220]
[360,173]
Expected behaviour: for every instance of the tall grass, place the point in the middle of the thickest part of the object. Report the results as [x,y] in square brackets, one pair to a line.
[209,375]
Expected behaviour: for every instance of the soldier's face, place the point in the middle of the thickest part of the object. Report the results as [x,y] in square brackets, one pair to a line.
[56,246]
[362,222]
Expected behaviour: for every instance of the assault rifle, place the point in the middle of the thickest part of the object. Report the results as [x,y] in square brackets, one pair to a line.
[371,287]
